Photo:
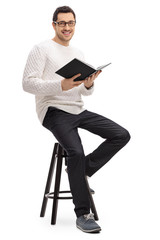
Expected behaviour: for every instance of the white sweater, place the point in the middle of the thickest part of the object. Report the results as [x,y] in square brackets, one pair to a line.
[41,80]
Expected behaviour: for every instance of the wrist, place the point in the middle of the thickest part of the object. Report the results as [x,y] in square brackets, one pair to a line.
[89,87]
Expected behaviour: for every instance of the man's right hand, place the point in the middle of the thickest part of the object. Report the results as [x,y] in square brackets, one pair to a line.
[68,83]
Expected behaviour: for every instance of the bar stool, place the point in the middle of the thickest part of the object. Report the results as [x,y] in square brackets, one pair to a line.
[58,155]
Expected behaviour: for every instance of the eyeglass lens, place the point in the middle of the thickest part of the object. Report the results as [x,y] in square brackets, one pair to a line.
[63,23]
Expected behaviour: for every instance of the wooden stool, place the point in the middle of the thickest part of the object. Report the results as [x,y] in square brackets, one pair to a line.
[58,155]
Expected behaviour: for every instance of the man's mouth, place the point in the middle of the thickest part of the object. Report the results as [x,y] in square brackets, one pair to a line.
[66,33]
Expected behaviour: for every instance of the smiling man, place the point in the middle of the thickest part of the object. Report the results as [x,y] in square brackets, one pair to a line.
[64,30]
[60,109]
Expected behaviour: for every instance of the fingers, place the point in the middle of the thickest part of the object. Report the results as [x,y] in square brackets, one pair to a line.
[76,84]
[97,73]
[87,81]
[94,76]
[76,76]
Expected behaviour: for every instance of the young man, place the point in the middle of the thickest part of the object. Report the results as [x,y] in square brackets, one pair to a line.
[60,109]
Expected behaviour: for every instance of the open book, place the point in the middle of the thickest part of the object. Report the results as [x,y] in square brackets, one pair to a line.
[77,66]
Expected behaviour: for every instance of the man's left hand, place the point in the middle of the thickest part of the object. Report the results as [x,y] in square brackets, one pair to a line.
[88,82]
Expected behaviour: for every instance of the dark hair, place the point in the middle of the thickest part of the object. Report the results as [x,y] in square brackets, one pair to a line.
[63,9]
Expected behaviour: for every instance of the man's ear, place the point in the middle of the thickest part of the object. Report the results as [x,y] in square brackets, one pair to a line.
[54,25]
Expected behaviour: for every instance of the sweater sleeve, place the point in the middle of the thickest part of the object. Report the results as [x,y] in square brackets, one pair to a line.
[32,77]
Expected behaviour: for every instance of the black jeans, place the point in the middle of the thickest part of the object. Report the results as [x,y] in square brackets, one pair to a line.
[65,126]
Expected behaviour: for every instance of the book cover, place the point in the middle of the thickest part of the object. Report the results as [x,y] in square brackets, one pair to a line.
[77,66]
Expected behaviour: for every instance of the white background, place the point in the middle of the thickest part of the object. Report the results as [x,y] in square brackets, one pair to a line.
[127,189]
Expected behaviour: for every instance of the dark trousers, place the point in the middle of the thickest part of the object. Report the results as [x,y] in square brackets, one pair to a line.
[65,126]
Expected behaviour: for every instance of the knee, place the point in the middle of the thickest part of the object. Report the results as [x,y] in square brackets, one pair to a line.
[125,136]
[75,152]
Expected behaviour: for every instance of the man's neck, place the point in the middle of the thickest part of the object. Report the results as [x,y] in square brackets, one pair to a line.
[57,40]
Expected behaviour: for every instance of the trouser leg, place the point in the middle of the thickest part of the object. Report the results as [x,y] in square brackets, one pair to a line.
[76,172]
[63,126]
[116,137]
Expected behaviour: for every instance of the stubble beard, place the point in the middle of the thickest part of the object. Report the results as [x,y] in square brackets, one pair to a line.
[63,39]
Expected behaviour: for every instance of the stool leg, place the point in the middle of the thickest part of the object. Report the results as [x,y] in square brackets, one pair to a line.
[93,208]
[57,185]
[49,180]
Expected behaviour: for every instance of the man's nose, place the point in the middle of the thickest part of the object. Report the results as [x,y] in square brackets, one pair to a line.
[66,26]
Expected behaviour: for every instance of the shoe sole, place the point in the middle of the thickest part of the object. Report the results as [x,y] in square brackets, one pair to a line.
[96,230]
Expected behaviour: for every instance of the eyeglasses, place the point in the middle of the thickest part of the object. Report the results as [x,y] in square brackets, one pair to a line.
[63,23]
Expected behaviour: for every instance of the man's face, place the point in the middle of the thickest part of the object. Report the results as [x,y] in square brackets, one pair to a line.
[64,34]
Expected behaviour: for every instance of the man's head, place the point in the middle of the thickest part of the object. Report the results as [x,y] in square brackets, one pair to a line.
[64,20]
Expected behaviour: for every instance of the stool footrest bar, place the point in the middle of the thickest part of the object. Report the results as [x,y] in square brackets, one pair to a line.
[51,195]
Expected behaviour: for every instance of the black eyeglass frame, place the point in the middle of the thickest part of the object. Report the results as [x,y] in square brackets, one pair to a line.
[65,23]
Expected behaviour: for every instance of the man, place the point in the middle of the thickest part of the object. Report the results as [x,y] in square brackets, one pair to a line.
[60,109]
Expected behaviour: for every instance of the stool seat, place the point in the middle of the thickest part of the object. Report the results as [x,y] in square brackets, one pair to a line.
[58,155]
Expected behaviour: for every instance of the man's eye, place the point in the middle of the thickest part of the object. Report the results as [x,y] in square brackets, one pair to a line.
[61,23]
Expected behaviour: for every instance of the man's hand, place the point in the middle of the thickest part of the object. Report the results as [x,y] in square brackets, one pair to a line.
[89,81]
[68,83]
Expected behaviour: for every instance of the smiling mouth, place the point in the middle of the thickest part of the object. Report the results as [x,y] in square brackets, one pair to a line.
[66,33]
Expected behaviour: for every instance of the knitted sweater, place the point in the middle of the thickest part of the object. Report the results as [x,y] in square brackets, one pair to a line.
[41,80]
